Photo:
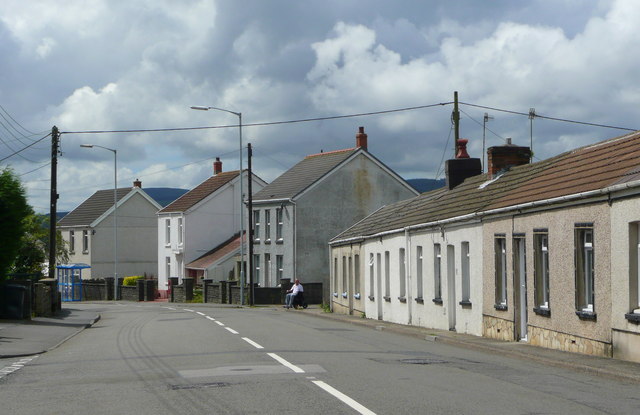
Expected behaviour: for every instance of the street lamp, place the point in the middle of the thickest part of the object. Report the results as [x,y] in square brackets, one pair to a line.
[239,115]
[115,215]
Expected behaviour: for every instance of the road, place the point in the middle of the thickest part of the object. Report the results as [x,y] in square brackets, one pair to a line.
[166,359]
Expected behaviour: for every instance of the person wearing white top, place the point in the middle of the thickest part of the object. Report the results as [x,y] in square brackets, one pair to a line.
[291,294]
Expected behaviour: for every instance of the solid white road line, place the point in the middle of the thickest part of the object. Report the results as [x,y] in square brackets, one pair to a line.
[229,329]
[251,342]
[285,363]
[344,398]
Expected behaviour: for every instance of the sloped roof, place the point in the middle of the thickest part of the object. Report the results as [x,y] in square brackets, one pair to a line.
[588,168]
[92,208]
[216,254]
[198,193]
[299,177]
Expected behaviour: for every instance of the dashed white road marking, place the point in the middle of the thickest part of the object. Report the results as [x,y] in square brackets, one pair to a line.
[219,323]
[16,366]
[202,314]
[186,309]
[210,318]
[251,342]
[283,362]
[344,398]
[230,330]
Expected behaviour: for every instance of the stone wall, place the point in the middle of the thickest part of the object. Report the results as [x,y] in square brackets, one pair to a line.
[567,342]
[94,290]
[129,293]
[497,328]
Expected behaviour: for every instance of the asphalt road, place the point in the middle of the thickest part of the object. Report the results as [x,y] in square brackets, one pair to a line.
[166,359]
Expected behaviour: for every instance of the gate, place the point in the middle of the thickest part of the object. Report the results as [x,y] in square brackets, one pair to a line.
[70,281]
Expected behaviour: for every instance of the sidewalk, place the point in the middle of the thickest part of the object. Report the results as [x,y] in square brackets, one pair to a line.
[40,334]
[600,366]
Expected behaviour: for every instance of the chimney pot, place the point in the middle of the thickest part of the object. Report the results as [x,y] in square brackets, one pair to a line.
[137,183]
[217,166]
[462,149]
[361,138]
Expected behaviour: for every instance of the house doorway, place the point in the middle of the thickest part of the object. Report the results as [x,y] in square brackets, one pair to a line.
[520,287]
[451,286]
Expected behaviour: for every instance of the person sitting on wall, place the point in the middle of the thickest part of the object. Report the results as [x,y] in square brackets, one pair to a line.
[291,294]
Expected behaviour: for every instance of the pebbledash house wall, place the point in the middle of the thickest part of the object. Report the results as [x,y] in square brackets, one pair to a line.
[426,312]
[349,298]
[562,329]
[625,219]
[349,193]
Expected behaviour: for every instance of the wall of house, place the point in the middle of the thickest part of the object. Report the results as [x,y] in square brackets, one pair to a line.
[335,203]
[625,220]
[222,270]
[137,239]
[275,247]
[77,255]
[562,328]
[170,250]
[347,286]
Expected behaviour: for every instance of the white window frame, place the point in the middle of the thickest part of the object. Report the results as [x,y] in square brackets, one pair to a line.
[267,271]
[402,274]
[335,276]
[72,242]
[180,232]
[344,276]
[501,271]
[465,271]
[541,269]
[85,241]
[256,225]
[356,274]
[167,266]
[267,225]
[437,273]
[371,277]
[280,267]
[167,232]
[387,276]
[279,224]
[585,269]
[419,273]
[256,270]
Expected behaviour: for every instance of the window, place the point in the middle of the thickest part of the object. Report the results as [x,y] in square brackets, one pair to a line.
[267,225]
[346,288]
[180,231]
[584,268]
[344,276]
[371,278]
[256,225]
[167,262]
[501,272]
[401,274]
[541,271]
[437,274]
[356,273]
[419,288]
[85,242]
[466,273]
[279,267]
[387,277]
[335,277]
[72,242]
[379,274]
[256,270]
[267,271]
[167,232]
[279,224]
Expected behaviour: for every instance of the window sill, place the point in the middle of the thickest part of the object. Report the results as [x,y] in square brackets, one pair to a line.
[587,315]
[356,296]
[402,299]
[419,300]
[372,298]
[85,252]
[335,294]
[542,311]
[267,241]
[437,301]
[345,295]
[387,299]
[279,241]
[633,318]
[256,241]
[465,303]
[500,307]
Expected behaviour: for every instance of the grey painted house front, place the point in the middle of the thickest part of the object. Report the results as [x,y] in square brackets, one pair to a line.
[296,215]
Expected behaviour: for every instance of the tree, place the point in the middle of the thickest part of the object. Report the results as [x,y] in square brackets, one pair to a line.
[13,210]
[33,252]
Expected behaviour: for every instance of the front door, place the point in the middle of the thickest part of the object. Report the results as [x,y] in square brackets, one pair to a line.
[520,287]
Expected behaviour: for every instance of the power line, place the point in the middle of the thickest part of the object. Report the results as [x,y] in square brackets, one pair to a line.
[38,168]
[24,148]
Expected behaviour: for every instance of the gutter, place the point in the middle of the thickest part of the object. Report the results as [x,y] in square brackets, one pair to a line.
[528,205]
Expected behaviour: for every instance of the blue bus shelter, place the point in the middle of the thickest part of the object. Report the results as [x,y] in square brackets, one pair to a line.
[69,278]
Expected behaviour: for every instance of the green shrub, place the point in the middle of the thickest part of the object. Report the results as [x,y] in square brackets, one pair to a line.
[131,281]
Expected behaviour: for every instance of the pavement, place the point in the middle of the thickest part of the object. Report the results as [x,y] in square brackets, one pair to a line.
[20,338]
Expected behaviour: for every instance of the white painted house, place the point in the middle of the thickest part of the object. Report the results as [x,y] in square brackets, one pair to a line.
[200,220]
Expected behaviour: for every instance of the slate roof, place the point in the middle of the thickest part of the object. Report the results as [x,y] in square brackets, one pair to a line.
[198,193]
[299,177]
[217,253]
[587,168]
[92,208]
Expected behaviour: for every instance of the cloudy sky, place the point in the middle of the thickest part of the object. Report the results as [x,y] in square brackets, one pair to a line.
[140,64]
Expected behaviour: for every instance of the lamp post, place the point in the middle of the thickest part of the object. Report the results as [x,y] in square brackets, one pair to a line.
[239,115]
[115,215]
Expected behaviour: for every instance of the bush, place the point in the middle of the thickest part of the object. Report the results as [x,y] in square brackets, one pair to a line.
[131,281]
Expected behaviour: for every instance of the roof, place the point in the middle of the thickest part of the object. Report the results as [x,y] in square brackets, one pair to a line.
[589,168]
[201,191]
[92,208]
[218,253]
[299,177]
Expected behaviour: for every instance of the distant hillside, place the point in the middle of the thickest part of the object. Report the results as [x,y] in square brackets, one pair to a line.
[424,185]
[164,195]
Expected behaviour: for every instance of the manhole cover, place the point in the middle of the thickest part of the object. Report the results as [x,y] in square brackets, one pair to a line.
[422,361]
[200,385]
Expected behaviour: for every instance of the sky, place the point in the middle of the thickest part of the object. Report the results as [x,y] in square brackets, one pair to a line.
[109,65]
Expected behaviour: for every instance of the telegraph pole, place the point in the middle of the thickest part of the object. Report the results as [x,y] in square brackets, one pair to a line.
[456,123]
[250,233]
[55,142]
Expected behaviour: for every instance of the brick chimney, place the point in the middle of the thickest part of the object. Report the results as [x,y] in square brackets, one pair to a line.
[504,157]
[462,167]
[137,183]
[217,166]
[361,138]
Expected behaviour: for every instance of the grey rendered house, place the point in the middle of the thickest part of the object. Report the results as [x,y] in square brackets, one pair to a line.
[89,233]
[296,215]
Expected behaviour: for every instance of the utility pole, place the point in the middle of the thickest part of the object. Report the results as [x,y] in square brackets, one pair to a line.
[532,115]
[456,123]
[484,136]
[250,233]
[55,142]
